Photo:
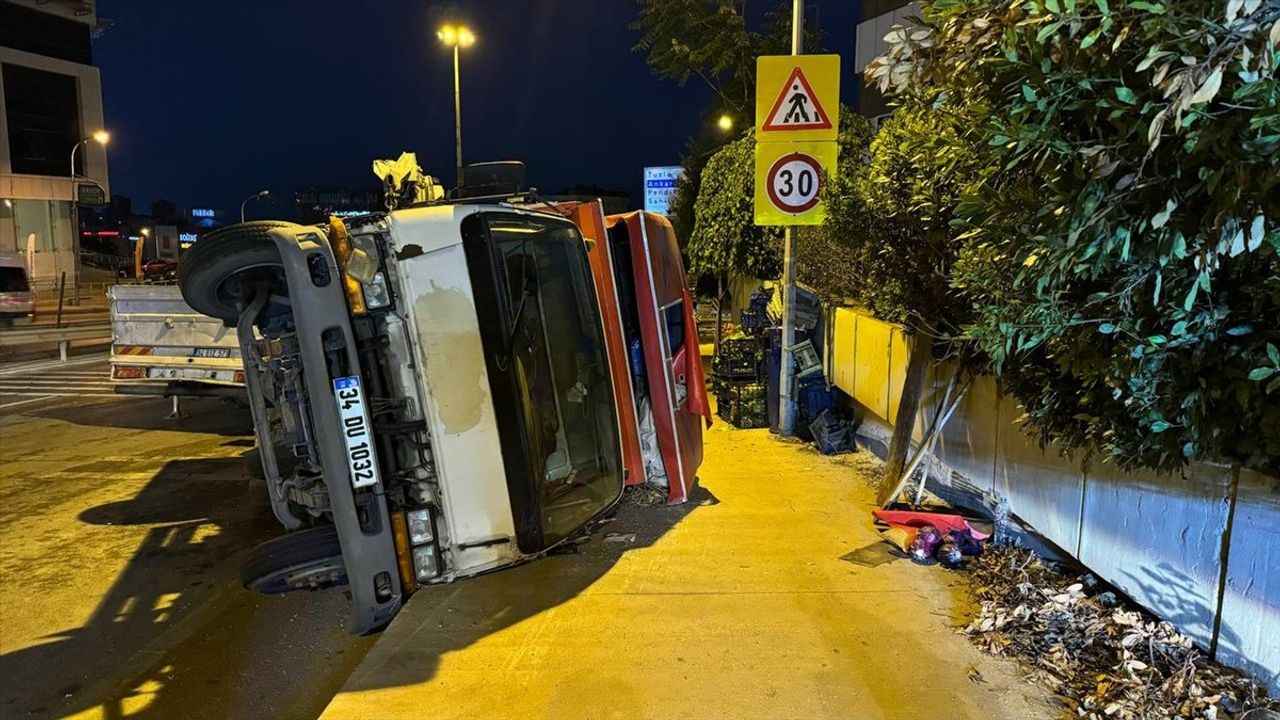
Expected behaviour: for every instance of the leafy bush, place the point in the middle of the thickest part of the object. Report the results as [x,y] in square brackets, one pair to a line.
[1121,252]
[725,237]
[892,209]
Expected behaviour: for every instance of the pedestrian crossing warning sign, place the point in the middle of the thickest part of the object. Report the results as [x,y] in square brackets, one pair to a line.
[797,107]
[797,97]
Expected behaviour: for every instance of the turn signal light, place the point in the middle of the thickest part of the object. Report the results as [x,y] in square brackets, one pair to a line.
[342,249]
[400,538]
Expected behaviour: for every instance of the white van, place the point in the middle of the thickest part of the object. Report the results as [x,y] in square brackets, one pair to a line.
[17,301]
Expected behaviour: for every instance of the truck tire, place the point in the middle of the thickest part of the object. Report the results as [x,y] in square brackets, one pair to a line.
[213,273]
[305,560]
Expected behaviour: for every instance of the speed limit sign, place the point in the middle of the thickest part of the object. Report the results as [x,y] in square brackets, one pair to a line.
[789,182]
[793,183]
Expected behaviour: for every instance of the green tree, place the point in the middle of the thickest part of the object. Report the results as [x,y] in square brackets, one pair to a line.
[725,238]
[1122,258]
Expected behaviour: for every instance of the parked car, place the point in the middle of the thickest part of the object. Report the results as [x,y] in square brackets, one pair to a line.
[159,269]
[17,300]
[439,379]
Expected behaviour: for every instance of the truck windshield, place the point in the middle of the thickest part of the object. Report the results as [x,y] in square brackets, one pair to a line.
[554,356]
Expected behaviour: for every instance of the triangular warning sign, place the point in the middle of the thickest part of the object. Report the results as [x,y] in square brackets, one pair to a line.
[797,107]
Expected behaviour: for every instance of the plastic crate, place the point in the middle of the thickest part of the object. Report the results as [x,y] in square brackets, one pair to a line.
[743,405]
[739,359]
[814,398]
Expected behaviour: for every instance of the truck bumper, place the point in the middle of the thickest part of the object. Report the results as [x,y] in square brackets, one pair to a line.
[328,349]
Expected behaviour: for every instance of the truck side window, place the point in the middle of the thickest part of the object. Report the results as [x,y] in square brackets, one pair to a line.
[673,342]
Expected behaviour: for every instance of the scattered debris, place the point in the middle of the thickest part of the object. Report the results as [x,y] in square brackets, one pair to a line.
[929,536]
[620,537]
[831,434]
[1099,659]
[872,555]
[926,544]
[949,555]
[975,675]
[645,495]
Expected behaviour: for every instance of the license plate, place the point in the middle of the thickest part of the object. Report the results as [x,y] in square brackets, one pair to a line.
[211,352]
[355,431]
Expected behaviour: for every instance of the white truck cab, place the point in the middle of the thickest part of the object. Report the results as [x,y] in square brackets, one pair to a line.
[430,389]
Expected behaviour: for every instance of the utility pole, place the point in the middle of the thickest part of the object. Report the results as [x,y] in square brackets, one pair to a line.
[786,398]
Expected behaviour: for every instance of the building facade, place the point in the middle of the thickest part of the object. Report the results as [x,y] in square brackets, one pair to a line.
[877,18]
[50,99]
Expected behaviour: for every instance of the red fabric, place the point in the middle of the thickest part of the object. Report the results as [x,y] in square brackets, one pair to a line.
[943,521]
[696,385]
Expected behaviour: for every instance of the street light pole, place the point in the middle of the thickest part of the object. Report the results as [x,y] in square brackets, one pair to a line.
[102,136]
[457,38]
[256,196]
[786,397]
[457,115]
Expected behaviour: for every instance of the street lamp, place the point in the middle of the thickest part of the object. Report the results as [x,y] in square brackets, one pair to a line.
[256,196]
[725,123]
[457,37]
[101,136]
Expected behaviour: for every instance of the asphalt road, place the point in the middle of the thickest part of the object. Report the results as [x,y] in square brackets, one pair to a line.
[120,531]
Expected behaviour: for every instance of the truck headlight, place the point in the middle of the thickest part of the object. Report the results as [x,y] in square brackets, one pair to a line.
[425,566]
[420,526]
[376,294]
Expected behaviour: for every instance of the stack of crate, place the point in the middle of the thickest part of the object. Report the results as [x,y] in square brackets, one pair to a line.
[740,393]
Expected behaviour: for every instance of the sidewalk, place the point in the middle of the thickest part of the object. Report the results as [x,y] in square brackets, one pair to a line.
[735,606]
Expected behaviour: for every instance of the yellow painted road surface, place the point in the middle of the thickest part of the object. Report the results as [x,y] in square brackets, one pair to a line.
[120,531]
[737,605]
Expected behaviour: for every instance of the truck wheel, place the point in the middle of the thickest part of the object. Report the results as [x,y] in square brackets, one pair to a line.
[305,560]
[215,272]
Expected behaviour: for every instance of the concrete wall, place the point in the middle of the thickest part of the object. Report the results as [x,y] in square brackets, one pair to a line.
[1201,550]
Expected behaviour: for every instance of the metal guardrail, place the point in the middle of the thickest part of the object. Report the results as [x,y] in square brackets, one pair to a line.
[44,287]
[62,335]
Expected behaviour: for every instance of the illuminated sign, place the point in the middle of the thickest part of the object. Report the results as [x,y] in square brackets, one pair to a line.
[348,213]
[187,237]
[660,187]
[202,212]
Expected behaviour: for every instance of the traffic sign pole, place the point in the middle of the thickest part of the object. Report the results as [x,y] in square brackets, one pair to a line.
[786,399]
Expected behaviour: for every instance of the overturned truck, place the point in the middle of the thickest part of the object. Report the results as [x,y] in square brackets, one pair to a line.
[443,390]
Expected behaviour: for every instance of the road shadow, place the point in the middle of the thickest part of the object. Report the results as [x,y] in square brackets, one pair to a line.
[175,637]
[448,618]
[214,416]
[202,513]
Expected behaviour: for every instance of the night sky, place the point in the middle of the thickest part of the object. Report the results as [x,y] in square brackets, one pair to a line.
[208,102]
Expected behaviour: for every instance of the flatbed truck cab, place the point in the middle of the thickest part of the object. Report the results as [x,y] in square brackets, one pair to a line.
[430,388]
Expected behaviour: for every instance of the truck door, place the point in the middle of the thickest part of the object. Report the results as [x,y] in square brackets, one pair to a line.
[664,320]
[590,219]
